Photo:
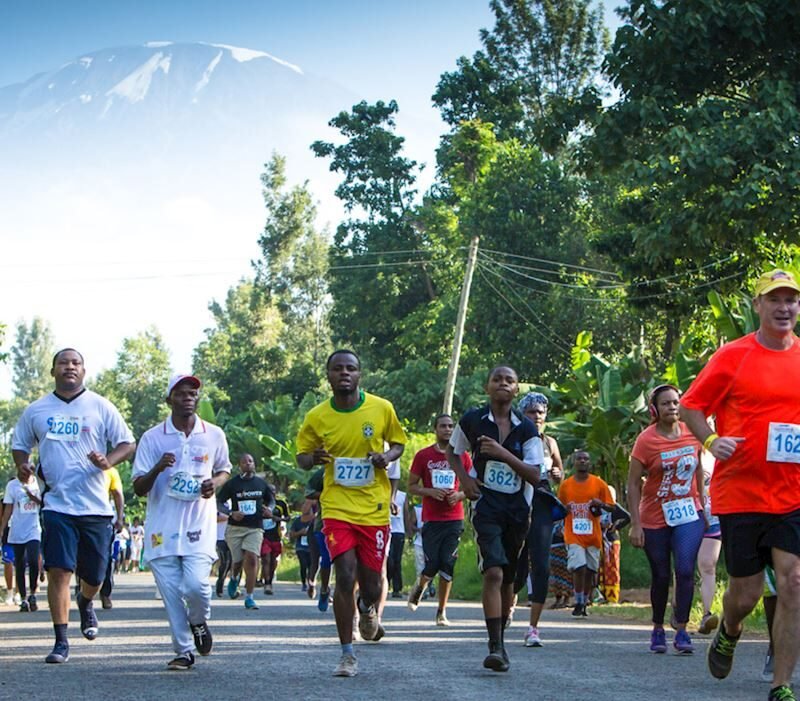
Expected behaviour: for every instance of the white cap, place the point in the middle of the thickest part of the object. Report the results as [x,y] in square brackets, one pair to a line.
[175,379]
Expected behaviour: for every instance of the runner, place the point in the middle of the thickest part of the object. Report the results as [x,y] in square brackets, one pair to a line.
[179,464]
[432,480]
[22,502]
[320,557]
[224,560]
[508,462]
[750,385]
[709,552]
[346,434]
[535,557]
[398,525]
[667,518]
[251,500]
[585,495]
[117,499]
[73,427]
[137,542]
[298,534]
[272,542]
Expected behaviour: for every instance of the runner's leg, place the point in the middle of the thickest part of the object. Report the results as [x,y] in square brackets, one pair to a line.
[786,626]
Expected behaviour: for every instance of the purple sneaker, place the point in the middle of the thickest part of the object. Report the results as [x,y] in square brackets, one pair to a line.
[658,641]
[683,643]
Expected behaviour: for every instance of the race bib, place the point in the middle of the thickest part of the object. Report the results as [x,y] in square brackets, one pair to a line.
[443,479]
[248,507]
[783,444]
[64,428]
[679,511]
[267,524]
[353,472]
[184,486]
[28,504]
[582,526]
[303,540]
[501,478]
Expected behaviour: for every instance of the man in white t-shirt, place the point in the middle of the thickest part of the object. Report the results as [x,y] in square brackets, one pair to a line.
[179,465]
[73,428]
[137,541]
[22,503]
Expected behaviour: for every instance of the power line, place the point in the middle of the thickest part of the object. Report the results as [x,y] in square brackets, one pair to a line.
[552,262]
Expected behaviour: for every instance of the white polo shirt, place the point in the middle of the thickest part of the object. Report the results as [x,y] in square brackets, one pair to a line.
[66,431]
[25,524]
[178,520]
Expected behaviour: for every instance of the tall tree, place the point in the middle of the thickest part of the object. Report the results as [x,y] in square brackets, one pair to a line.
[536,75]
[31,359]
[138,380]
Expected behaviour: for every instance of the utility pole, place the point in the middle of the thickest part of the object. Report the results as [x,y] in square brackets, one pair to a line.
[452,371]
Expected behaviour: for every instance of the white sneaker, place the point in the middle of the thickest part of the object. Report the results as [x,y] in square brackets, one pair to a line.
[17,600]
[347,667]
[532,638]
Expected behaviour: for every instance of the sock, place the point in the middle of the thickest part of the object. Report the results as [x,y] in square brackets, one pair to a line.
[494,626]
[83,602]
[347,649]
[61,632]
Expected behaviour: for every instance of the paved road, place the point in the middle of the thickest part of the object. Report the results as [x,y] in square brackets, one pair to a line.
[287,649]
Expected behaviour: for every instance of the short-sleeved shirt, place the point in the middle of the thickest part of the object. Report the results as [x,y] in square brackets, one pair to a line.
[671,466]
[24,525]
[272,526]
[430,462]
[248,496]
[348,435]
[749,387]
[397,523]
[301,543]
[576,496]
[498,479]
[178,520]
[66,431]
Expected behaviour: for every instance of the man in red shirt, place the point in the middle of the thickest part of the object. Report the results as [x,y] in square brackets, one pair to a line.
[442,513]
[751,386]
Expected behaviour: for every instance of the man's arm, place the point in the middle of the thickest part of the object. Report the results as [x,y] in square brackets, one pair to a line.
[120,453]
[7,510]
[721,447]
[119,504]
[22,459]
[144,483]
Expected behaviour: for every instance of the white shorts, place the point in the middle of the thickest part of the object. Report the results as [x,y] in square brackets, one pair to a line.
[578,556]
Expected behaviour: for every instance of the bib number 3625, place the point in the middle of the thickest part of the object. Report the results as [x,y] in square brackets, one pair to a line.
[783,444]
[501,478]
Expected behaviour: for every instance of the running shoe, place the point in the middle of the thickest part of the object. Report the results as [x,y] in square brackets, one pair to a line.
[708,624]
[311,591]
[347,667]
[106,601]
[497,659]
[233,588]
[576,612]
[181,662]
[368,624]
[268,589]
[781,693]
[381,632]
[658,641]
[304,587]
[397,595]
[89,625]
[683,643]
[584,611]
[532,638]
[202,638]
[441,619]
[431,589]
[32,603]
[24,606]
[322,604]
[415,596]
[17,599]
[720,652]
[59,654]
[250,603]
[768,673]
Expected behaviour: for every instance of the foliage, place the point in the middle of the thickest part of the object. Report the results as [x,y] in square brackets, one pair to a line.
[31,359]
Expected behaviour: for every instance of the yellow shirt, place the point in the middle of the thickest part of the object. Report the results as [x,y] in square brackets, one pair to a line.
[113,480]
[352,434]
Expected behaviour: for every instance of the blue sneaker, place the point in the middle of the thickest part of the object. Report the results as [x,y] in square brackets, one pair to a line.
[683,643]
[658,641]
[233,588]
[322,605]
[250,603]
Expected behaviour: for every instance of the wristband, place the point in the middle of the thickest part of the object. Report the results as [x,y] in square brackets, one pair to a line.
[708,441]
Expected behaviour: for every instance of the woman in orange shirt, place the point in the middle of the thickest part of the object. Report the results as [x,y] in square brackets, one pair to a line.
[666,512]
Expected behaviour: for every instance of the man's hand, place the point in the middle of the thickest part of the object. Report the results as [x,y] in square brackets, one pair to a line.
[471,488]
[378,460]
[394,509]
[453,497]
[490,447]
[207,488]
[167,460]
[24,471]
[636,535]
[436,493]
[723,447]
[236,515]
[555,472]
[266,512]
[118,525]
[320,456]
[99,460]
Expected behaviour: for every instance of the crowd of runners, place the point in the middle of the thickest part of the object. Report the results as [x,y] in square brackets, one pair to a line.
[715,471]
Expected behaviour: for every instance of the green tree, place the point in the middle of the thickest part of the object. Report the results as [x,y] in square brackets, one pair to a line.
[31,359]
[292,272]
[137,383]
[535,78]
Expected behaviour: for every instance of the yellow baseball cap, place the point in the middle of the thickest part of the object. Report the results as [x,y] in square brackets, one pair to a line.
[775,279]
